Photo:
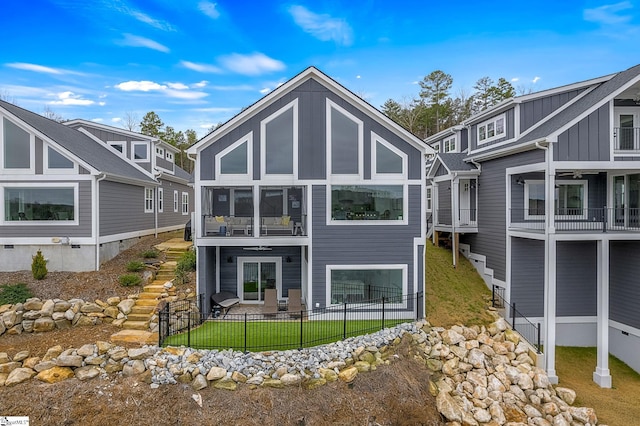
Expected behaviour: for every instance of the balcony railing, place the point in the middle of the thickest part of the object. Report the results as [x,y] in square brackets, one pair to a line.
[626,139]
[463,218]
[602,219]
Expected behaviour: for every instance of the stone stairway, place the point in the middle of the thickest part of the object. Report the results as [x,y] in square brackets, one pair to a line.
[136,327]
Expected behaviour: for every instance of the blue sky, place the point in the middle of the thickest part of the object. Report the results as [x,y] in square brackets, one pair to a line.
[199,62]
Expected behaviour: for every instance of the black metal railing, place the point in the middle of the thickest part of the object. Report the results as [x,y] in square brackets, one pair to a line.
[599,219]
[528,330]
[345,291]
[626,138]
[285,330]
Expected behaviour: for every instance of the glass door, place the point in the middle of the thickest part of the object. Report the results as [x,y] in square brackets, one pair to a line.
[618,200]
[256,275]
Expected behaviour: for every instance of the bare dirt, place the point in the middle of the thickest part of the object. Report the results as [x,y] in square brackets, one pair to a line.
[397,394]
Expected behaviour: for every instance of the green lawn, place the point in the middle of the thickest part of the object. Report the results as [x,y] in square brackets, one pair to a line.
[273,335]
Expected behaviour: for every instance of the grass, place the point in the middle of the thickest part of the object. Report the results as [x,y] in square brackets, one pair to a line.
[274,335]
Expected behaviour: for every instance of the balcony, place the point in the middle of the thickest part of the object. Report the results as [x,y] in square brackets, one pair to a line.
[603,219]
[463,220]
[626,140]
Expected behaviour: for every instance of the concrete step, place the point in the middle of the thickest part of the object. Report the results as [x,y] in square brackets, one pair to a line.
[135,325]
[142,310]
[138,317]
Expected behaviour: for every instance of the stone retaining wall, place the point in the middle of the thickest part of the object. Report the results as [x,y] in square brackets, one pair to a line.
[482,376]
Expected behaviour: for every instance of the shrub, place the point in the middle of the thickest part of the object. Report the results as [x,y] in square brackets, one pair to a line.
[129,280]
[150,254]
[135,266]
[39,266]
[14,293]
[186,264]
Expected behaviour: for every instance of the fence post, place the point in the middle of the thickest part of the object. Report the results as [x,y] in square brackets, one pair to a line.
[301,331]
[344,322]
[382,313]
[189,329]
[493,295]
[513,316]
[245,332]
[604,218]
[538,347]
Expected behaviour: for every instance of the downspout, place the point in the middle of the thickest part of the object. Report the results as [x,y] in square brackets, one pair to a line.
[156,175]
[101,177]
[454,215]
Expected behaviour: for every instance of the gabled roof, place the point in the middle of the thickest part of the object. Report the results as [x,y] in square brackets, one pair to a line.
[443,133]
[305,75]
[95,155]
[453,162]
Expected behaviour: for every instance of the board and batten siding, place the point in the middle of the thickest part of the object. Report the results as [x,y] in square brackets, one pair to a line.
[490,240]
[312,161]
[587,140]
[509,130]
[444,202]
[361,244]
[576,278]
[206,274]
[527,276]
[122,209]
[624,288]
[533,111]
[43,229]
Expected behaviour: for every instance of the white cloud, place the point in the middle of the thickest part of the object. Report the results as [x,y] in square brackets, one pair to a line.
[34,68]
[97,120]
[181,94]
[322,26]
[200,67]
[177,86]
[137,41]
[265,90]
[155,23]
[102,103]
[200,84]
[515,79]
[142,86]
[253,64]
[206,125]
[70,98]
[243,87]
[216,110]
[609,14]
[535,79]
[209,9]
[116,119]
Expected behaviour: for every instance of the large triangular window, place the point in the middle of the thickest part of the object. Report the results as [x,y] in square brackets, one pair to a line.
[345,141]
[278,141]
[235,161]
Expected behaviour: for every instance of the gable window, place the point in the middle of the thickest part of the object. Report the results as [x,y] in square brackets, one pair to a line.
[362,283]
[491,129]
[160,152]
[449,144]
[118,146]
[429,198]
[367,203]
[160,199]
[345,141]
[140,151]
[175,201]
[148,200]
[185,203]
[570,199]
[16,146]
[278,140]
[234,163]
[169,156]
[58,163]
[43,202]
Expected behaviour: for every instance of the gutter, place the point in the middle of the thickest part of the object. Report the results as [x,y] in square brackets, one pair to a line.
[101,177]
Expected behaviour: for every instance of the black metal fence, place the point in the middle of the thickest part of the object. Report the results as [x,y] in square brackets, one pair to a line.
[183,323]
[528,330]
[597,219]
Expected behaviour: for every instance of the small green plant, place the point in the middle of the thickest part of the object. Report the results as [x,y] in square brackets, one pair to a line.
[39,266]
[14,293]
[129,280]
[186,264]
[150,254]
[135,266]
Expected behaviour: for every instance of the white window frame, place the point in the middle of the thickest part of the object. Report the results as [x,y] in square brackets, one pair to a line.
[56,171]
[123,144]
[496,135]
[450,144]
[148,200]
[401,266]
[633,111]
[52,185]
[344,177]
[175,201]
[375,140]
[241,260]
[377,222]
[429,197]
[169,156]
[235,178]
[185,203]
[133,152]
[32,151]
[160,200]
[585,200]
[436,147]
[272,177]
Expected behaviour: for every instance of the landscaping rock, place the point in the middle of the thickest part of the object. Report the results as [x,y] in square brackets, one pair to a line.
[55,374]
[19,375]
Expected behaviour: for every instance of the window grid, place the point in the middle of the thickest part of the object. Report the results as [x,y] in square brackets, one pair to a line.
[185,203]
[148,200]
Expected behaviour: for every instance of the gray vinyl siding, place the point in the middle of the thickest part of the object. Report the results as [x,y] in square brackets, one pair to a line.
[509,131]
[168,217]
[164,163]
[535,110]
[207,274]
[312,161]
[106,136]
[588,140]
[83,229]
[464,140]
[624,290]
[444,202]
[527,276]
[442,171]
[122,209]
[361,244]
[490,239]
[576,278]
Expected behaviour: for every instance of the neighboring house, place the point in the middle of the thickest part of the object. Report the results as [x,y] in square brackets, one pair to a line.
[571,264]
[310,188]
[72,196]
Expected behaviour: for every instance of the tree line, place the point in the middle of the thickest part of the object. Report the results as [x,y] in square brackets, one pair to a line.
[435,109]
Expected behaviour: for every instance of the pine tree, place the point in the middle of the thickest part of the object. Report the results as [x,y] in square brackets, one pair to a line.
[39,266]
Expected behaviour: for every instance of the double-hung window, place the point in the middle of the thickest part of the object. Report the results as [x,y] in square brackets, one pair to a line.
[492,129]
[160,200]
[185,203]
[148,200]
[175,201]
[449,144]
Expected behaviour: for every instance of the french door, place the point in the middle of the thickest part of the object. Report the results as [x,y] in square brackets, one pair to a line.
[255,274]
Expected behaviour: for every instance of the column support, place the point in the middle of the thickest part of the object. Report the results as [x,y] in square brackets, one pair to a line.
[550,309]
[602,375]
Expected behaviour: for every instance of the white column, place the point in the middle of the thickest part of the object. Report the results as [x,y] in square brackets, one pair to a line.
[550,309]
[602,375]
[455,207]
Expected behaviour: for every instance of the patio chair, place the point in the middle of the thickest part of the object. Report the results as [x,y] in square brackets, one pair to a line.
[294,307]
[270,306]
[222,302]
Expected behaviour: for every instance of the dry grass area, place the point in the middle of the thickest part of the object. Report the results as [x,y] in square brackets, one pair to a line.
[397,394]
[617,406]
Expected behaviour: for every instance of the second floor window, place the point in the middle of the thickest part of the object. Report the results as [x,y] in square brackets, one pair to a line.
[449,144]
[492,129]
[570,199]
